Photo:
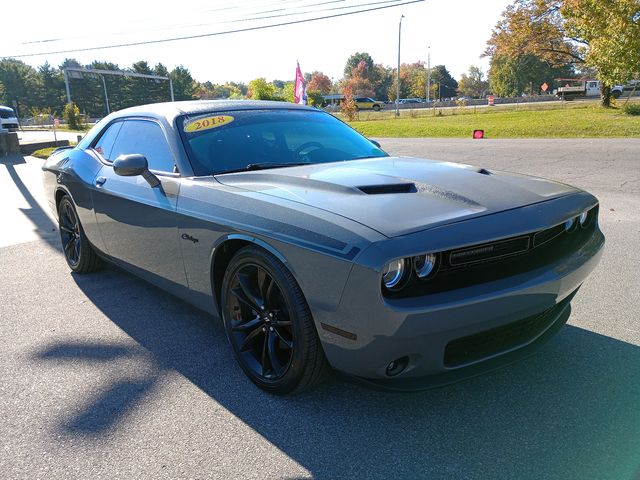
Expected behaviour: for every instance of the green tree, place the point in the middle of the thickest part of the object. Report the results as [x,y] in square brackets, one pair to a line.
[354,61]
[19,83]
[72,116]
[51,92]
[260,89]
[511,77]
[116,89]
[160,88]
[315,98]
[602,34]
[287,92]
[473,84]
[86,90]
[183,83]
[443,85]
[611,28]
[382,79]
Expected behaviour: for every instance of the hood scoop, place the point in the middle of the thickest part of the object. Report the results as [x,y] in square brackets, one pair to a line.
[388,188]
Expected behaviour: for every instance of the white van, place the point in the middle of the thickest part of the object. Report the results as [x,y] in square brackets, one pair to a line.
[8,119]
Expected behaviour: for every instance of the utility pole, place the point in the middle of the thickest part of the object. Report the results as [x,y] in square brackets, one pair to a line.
[398,72]
[66,84]
[106,97]
[428,74]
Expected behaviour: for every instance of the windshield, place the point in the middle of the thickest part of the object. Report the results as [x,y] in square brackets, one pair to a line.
[223,142]
[6,112]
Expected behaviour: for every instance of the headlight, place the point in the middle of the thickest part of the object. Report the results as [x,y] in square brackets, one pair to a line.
[424,265]
[393,273]
[570,224]
[585,218]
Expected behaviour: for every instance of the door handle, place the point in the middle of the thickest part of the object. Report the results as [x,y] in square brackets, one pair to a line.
[100,181]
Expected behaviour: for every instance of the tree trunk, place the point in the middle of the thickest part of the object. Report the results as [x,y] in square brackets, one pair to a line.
[605,99]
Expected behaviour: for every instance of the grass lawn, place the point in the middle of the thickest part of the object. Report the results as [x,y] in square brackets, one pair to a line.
[43,152]
[532,121]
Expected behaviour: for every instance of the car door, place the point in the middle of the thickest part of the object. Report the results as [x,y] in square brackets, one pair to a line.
[138,222]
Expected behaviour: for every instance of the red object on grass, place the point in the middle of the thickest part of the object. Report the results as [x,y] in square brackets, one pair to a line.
[477,134]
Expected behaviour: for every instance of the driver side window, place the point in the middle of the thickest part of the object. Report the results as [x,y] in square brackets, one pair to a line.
[147,138]
[105,144]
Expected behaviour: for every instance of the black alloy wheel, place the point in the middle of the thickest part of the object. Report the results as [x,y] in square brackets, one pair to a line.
[269,324]
[261,322]
[77,250]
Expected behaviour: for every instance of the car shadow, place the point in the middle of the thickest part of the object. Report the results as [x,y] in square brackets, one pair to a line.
[569,411]
[45,227]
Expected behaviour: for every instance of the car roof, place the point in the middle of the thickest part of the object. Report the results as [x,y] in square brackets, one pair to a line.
[170,110]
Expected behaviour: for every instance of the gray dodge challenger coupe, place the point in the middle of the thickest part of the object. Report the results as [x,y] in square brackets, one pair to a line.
[317,249]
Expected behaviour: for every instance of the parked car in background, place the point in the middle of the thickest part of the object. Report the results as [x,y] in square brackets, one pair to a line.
[317,249]
[366,103]
[404,101]
[8,119]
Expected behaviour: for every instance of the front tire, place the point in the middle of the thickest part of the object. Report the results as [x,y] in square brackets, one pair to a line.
[78,252]
[269,324]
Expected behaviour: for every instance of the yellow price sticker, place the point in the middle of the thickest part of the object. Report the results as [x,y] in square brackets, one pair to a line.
[207,123]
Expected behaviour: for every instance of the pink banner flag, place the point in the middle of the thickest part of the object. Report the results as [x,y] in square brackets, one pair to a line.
[300,88]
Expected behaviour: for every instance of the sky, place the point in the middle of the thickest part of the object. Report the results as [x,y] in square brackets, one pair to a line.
[455,30]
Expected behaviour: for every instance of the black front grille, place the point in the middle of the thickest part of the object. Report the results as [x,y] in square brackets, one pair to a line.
[488,251]
[492,342]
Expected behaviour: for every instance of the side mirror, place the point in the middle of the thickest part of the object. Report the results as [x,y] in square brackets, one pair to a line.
[130,165]
[133,165]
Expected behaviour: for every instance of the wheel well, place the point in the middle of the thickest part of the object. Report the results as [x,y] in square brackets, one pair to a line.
[221,258]
[59,194]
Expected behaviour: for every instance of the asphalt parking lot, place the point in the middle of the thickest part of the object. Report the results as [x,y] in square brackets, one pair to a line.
[105,376]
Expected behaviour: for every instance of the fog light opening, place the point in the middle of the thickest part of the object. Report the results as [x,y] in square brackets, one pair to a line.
[397,366]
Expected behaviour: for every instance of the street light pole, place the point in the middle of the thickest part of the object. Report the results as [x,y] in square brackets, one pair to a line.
[398,72]
[428,74]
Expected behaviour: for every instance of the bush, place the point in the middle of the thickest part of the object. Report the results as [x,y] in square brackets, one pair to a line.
[632,109]
[348,105]
[72,116]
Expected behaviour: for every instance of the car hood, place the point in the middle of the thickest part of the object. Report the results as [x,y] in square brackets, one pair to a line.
[399,195]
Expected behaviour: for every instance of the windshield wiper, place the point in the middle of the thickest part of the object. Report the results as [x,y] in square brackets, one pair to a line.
[263,166]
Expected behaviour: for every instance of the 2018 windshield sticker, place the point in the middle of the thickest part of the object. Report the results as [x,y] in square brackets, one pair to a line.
[207,123]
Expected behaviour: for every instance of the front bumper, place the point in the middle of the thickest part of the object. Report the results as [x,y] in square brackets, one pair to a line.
[452,335]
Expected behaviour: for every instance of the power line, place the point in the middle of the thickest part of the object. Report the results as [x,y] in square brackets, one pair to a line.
[135,21]
[227,32]
[291,14]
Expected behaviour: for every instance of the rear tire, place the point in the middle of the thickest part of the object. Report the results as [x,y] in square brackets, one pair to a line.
[78,252]
[376,108]
[269,324]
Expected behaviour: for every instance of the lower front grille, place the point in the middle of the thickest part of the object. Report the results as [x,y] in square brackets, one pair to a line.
[489,343]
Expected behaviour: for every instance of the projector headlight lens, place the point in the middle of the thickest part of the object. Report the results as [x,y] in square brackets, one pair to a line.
[424,265]
[570,224]
[393,273]
[584,218]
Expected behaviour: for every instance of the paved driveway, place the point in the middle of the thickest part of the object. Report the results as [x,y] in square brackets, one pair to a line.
[105,376]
